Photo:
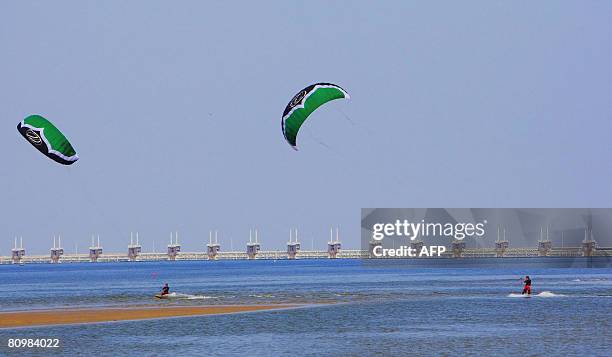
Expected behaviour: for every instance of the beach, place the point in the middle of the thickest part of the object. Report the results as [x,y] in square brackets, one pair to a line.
[77,316]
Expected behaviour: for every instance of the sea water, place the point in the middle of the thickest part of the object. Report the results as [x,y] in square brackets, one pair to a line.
[351,308]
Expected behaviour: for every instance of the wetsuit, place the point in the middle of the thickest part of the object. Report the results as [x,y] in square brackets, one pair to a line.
[527,288]
[165,290]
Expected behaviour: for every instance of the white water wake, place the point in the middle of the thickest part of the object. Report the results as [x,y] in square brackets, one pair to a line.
[543,294]
[188,296]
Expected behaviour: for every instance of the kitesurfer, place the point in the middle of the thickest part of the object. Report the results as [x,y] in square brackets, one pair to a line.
[165,289]
[527,288]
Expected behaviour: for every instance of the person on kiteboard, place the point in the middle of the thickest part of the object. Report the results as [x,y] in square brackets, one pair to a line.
[527,288]
[165,289]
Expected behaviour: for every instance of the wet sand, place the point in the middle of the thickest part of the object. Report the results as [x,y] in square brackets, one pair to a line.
[78,316]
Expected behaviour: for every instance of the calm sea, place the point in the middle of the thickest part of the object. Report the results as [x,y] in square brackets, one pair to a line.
[353,308]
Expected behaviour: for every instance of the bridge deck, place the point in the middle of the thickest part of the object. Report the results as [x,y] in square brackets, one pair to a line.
[304,254]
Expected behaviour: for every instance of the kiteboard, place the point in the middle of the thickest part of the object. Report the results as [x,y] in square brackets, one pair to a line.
[519,295]
[166,296]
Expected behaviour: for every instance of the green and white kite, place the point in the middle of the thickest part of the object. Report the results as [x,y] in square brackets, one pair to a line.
[45,137]
[304,103]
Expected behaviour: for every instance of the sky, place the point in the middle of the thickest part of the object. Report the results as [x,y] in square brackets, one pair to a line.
[174,109]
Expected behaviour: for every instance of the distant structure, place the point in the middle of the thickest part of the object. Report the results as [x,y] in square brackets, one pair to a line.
[18,253]
[95,251]
[416,246]
[253,247]
[589,246]
[57,251]
[333,246]
[372,244]
[174,247]
[501,245]
[544,244]
[134,249]
[458,246]
[212,248]
[293,247]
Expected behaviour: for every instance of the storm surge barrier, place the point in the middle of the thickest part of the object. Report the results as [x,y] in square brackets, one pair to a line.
[467,253]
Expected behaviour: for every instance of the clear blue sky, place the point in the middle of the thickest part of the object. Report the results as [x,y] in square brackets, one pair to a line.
[174,109]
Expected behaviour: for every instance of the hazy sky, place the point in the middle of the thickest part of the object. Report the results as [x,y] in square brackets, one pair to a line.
[174,109]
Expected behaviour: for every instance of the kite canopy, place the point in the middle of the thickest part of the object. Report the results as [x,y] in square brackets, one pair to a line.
[45,137]
[304,103]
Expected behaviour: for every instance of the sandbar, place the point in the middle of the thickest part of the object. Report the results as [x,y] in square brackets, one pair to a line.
[93,315]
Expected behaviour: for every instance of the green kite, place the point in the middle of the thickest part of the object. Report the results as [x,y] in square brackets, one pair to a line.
[304,103]
[45,137]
